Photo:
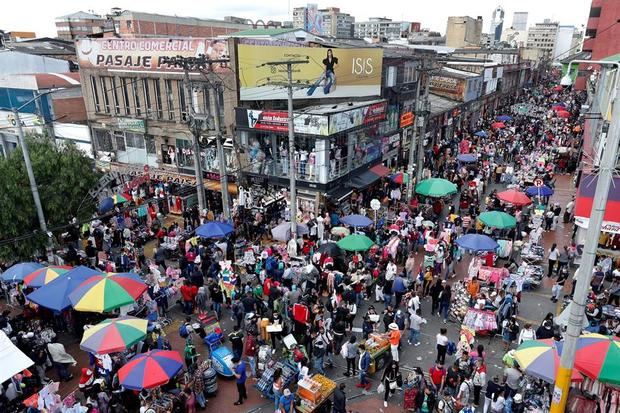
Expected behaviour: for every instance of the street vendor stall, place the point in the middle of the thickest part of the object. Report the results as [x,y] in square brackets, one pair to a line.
[314,394]
[378,345]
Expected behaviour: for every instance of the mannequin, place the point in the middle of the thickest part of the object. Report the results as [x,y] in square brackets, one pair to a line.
[311,162]
[320,227]
[241,196]
[303,160]
[284,158]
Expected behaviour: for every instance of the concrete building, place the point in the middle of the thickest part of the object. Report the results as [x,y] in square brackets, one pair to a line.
[543,36]
[564,42]
[329,21]
[519,20]
[380,27]
[292,35]
[514,37]
[603,29]
[463,31]
[80,24]
[426,37]
[497,24]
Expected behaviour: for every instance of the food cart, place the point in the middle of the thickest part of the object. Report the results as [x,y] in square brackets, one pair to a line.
[314,394]
[378,345]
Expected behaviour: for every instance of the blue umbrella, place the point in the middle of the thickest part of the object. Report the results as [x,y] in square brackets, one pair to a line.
[17,272]
[467,158]
[539,191]
[357,221]
[55,294]
[106,205]
[503,118]
[214,229]
[477,242]
[481,133]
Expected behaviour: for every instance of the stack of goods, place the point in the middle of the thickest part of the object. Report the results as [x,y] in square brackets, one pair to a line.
[289,374]
[327,385]
[313,391]
[210,380]
[532,252]
[459,307]
[376,344]
[480,320]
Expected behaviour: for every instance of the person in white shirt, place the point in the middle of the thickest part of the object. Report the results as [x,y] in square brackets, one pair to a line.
[442,345]
[415,323]
[413,304]
[390,271]
[464,391]
[527,333]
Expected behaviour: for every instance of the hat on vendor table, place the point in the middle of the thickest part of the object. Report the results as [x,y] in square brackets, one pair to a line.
[86,377]
[393,326]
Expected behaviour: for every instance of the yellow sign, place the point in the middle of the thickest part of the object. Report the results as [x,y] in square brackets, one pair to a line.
[328,73]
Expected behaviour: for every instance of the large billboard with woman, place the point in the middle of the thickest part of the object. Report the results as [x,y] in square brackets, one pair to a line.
[329,72]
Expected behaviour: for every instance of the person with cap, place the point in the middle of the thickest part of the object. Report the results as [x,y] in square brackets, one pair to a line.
[340,399]
[446,403]
[545,330]
[517,405]
[394,337]
[287,402]
[241,377]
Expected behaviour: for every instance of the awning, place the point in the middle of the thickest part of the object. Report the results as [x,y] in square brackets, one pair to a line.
[364,179]
[12,359]
[338,194]
[380,170]
[585,199]
[217,186]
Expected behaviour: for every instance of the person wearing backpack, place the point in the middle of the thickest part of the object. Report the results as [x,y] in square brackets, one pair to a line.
[349,352]
[186,328]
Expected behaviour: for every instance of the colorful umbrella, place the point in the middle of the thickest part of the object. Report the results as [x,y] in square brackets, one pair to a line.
[541,358]
[467,158]
[398,178]
[498,125]
[55,295]
[558,108]
[357,221]
[106,292]
[435,187]
[514,197]
[503,118]
[563,114]
[355,242]
[498,219]
[106,205]
[119,198]
[539,191]
[481,134]
[114,335]
[558,88]
[477,242]
[17,272]
[214,229]
[394,227]
[598,357]
[43,276]
[149,370]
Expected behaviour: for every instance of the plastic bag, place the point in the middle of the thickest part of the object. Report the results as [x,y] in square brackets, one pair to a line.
[380,388]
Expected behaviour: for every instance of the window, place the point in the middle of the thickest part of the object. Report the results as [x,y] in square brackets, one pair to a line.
[134,140]
[157,91]
[591,33]
[185,155]
[220,95]
[170,99]
[93,86]
[182,106]
[119,139]
[136,96]
[149,141]
[103,140]
[117,104]
[104,91]
[409,74]
[147,97]
[126,103]
[595,12]
[206,93]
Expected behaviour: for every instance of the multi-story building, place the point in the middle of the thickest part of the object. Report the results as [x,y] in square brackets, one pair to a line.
[79,24]
[543,36]
[519,20]
[381,28]
[514,37]
[564,42]
[426,37]
[463,31]
[603,29]
[497,24]
[324,22]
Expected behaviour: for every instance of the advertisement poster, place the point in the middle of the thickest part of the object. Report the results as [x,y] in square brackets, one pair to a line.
[277,121]
[131,54]
[447,86]
[334,73]
[340,122]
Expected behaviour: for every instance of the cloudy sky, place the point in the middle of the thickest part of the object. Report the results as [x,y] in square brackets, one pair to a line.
[432,14]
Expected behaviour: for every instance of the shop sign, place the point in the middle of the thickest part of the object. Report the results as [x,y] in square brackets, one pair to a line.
[366,115]
[447,86]
[130,54]
[131,124]
[277,121]
[406,119]
[103,183]
[608,226]
[259,180]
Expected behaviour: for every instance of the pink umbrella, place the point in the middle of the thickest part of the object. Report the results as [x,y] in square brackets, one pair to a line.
[394,227]
[498,125]
[563,114]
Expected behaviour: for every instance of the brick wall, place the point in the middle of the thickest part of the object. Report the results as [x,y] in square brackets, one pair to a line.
[69,110]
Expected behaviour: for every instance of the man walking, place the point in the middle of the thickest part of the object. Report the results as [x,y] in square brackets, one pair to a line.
[415,322]
[241,377]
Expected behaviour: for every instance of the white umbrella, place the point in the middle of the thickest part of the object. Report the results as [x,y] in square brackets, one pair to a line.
[341,231]
[562,319]
[12,359]
[283,231]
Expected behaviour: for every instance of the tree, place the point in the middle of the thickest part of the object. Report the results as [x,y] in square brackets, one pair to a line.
[63,173]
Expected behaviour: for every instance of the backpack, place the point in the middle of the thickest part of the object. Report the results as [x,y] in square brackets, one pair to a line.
[451,348]
[183,331]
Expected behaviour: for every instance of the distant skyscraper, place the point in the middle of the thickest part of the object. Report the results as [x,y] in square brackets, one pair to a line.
[519,20]
[497,24]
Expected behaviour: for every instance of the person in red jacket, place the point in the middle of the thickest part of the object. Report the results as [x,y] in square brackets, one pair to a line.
[188,292]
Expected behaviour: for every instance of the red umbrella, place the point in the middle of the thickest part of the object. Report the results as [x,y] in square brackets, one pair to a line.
[558,88]
[563,114]
[514,197]
[498,125]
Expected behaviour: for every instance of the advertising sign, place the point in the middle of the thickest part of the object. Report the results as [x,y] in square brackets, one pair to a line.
[447,86]
[131,124]
[30,122]
[277,121]
[333,73]
[146,53]
[406,119]
[340,122]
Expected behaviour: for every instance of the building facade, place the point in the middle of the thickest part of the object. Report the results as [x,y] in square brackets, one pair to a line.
[80,24]
[380,27]
[564,42]
[519,20]
[497,24]
[603,29]
[329,21]
[463,31]
[543,36]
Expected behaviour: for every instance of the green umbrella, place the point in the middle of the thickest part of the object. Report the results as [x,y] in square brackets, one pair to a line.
[355,242]
[498,219]
[435,187]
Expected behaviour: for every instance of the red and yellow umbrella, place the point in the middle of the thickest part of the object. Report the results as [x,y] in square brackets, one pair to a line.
[106,292]
[541,358]
[114,335]
[598,357]
[42,276]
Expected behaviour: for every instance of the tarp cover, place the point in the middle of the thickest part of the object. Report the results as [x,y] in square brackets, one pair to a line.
[12,359]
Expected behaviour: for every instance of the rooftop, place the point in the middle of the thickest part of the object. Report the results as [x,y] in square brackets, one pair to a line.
[263,32]
[80,15]
[462,74]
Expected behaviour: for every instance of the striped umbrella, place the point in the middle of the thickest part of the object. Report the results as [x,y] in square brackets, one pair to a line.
[119,199]
[17,272]
[541,358]
[114,335]
[598,357]
[149,370]
[44,275]
[107,292]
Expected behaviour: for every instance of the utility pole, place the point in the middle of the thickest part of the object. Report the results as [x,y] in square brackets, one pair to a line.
[291,135]
[421,115]
[414,136]
[577,313]
[215,87]
[33,185]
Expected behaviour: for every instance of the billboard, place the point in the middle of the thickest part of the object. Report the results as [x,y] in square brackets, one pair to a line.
[277,121]
[333,73]
[366,115]
[139,54]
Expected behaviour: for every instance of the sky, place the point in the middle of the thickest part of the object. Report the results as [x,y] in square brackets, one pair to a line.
[432,14]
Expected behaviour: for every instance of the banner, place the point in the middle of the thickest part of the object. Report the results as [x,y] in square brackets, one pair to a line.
[277,121]
[131,54]
[331,73]
[342,121]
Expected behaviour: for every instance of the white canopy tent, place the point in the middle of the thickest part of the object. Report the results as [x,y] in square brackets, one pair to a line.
[12,359]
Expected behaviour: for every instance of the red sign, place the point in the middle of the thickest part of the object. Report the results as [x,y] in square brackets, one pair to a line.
[406,119]
[273,121]
[538,182]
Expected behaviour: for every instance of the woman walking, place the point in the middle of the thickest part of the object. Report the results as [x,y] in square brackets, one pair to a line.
[442,345]
[554,254]
[389,380]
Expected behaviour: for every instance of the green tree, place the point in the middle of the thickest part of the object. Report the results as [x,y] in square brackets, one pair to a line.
[63,173]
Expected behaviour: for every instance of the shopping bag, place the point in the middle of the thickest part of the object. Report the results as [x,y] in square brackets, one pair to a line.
[380,388]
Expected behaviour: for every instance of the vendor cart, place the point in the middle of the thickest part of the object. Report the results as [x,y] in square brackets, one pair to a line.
[314,394]
[265,383]
[379,348]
